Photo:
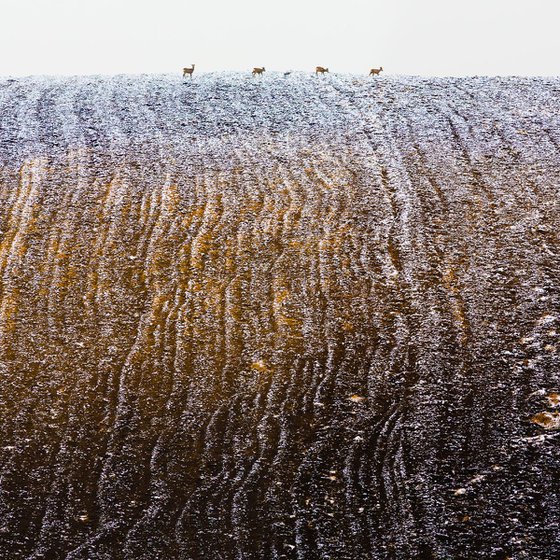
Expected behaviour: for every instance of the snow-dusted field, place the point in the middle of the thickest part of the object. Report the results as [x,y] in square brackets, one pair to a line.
[309,318]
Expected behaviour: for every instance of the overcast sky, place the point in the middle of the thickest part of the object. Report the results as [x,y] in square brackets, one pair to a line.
[426,37]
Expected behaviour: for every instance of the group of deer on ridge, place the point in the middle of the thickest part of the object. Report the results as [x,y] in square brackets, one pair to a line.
[260,71]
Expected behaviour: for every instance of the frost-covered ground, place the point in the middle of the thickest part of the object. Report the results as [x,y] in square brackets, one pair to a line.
[309,318]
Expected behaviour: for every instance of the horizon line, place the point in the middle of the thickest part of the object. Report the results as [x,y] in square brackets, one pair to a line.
[247,72]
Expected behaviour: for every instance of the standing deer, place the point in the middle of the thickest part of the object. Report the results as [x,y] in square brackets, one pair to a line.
[188,71]
[258,71]
[320,70]
[375,71]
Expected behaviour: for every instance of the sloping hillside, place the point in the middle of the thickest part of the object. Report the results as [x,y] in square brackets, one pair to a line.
[309,318]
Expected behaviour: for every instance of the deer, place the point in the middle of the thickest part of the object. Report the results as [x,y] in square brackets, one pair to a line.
[188,71]
[320,70]
[258,71]
[376,71]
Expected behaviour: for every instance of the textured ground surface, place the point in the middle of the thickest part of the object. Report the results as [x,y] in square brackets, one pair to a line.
[283,318]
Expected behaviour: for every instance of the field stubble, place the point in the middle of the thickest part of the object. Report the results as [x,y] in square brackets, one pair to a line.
[298,318]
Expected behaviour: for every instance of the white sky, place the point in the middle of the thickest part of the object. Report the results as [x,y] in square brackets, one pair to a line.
[426,37]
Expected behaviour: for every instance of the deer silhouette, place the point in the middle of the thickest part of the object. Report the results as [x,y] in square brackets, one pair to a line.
[188,71]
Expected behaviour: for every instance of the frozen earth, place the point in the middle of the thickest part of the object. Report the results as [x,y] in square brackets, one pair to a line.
[289,317]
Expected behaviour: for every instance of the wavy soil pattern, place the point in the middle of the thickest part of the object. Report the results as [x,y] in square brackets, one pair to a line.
[287,318]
